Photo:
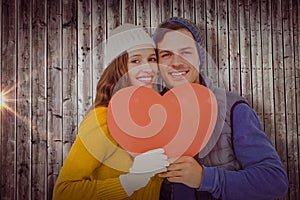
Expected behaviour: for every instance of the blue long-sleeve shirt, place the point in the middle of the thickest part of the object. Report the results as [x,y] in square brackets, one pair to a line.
[262,175]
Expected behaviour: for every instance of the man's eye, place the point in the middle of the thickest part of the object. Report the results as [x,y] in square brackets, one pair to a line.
[186,52]
[165,55]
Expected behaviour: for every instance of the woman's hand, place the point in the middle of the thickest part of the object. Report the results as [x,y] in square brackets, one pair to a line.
[184,170]
[143,168]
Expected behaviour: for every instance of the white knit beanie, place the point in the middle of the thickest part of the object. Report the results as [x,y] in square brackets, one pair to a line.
[124,37]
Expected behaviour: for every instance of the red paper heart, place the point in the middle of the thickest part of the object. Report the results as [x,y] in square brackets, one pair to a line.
[181,121]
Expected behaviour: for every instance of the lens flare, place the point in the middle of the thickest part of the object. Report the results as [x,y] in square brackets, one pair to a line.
[2,100]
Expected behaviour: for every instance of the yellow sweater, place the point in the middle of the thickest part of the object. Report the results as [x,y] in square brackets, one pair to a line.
[94,164]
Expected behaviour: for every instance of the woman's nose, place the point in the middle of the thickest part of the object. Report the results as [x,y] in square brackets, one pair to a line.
[146,66]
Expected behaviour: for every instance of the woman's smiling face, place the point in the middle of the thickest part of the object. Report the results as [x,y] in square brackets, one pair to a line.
[142,65]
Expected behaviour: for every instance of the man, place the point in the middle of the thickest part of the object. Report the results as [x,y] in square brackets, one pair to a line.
[239,161]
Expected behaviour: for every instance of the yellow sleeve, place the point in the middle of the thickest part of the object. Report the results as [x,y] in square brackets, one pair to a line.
[75,182]
[94,164]
[95,136]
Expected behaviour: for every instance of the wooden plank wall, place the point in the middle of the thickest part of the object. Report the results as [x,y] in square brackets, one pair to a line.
[51,60]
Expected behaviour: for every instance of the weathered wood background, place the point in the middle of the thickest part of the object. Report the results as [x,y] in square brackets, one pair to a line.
[50,67]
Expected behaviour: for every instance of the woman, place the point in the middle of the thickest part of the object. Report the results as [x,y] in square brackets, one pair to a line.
[97,167]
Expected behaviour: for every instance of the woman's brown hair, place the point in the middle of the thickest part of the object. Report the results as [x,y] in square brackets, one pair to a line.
[113,78]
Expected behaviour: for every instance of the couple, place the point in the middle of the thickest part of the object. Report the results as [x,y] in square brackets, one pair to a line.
[239,161]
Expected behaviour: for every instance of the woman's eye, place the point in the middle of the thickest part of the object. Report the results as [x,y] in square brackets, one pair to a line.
[153,59]
[135,61]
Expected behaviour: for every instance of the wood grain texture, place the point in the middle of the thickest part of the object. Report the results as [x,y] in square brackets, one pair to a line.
[234,47]
[39,100]
[200,20]
[189,10]
[155,9]
[24,73]
[267,64]
[296,42]
[223,61]
[98,40]
[177,8]
[212,41]
[70,73]
[128,12]
[166,9]
[54,92]
[52,58]
[256,58]
[245,55]
[8,86]
[113,10]
[1,89]
[290,101]
[279,85]
[85,70]
[143,14]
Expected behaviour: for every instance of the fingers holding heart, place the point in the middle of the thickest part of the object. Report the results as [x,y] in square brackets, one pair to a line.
[185,170]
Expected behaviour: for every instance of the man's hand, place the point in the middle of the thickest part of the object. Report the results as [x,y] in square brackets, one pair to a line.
[184,170]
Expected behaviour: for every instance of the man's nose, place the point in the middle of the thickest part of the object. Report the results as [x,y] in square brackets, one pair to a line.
[177,61]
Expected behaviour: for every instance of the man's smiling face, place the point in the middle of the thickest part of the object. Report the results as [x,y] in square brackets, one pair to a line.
[178,58]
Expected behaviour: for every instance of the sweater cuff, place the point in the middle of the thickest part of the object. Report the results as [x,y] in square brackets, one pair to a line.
[208,179]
